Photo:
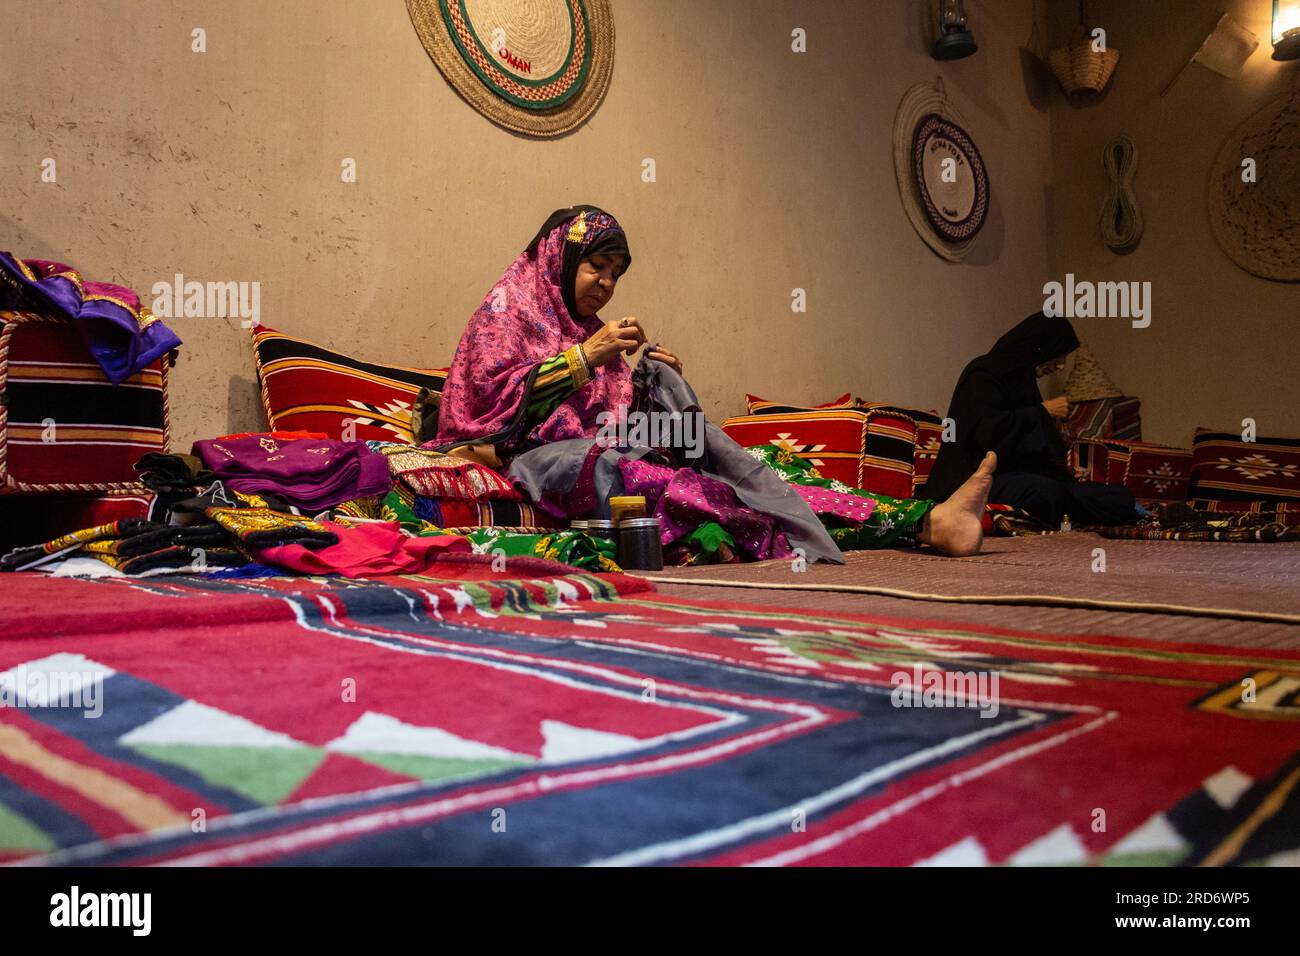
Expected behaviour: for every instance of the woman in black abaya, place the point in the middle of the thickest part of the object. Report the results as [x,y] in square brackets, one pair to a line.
[997,407]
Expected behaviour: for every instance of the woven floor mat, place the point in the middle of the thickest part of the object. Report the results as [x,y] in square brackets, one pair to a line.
[1252,582]
[1046,620]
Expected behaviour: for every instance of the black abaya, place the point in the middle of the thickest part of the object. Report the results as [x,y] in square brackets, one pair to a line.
[997,407]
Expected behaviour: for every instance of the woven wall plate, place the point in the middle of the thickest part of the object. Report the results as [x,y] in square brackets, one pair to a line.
[1258,223]
[946,212]
[950,177]
[538,67]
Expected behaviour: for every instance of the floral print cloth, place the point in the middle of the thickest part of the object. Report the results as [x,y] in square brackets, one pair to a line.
[575,548]
[855,518]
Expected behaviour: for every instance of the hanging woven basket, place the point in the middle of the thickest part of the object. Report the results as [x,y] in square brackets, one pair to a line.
[1080,68]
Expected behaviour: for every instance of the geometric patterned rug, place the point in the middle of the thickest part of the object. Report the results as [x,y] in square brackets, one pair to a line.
[464,718]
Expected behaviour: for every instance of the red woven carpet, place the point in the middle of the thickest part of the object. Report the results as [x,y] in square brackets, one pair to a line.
[585,719]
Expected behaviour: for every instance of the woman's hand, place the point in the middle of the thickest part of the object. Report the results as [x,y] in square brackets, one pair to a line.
[661,354]
[1058,407]
[615,336]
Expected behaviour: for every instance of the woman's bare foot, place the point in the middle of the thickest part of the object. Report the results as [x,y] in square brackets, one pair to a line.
[956,526]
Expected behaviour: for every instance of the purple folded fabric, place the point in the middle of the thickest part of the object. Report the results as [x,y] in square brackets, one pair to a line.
[123,336]
[313,474]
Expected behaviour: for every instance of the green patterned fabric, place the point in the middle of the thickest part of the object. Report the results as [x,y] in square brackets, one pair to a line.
[891,520]
[552,385]
[398,506]
[705,542]
[575,548]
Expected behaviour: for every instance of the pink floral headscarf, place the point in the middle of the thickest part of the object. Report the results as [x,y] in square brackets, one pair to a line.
[522,322]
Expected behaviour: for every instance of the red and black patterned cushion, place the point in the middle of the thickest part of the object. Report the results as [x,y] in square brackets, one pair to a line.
[63,425]
[449,513]
[761,406]
[1119,419]
[1226,468]
[883,448]
[928,434]
[1156,474]
[306,386]
[832,441]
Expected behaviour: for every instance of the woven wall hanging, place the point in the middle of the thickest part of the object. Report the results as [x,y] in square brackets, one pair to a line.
[941,176]
[538,67]
[1121,216]
[1258,223]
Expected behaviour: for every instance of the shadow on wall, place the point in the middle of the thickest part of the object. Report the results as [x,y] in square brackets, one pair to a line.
[988,250]
[1037,77]
[26,246]
[244,411]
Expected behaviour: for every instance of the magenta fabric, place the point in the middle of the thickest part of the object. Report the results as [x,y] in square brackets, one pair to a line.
[313,474]
[823,501]
[683,499]
[522,322]
[122,336]
[366,550]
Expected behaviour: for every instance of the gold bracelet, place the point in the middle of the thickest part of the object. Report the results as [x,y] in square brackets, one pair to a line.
[577,370]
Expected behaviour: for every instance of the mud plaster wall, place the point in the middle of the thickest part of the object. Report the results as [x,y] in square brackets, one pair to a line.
[1221,345]
[774,172]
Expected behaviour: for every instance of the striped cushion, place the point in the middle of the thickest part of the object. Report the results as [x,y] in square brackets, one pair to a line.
[309,387]
[871,449]
[449,513]
[928,428]
[761,406]
[1104,418]
[63,426]
[1225,468]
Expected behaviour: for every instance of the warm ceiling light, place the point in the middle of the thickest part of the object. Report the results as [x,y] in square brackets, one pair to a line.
[1286,29]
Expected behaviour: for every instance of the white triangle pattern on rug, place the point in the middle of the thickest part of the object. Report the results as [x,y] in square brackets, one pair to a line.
[198,724]
[1061,846]
[563,742]
[380,733]
[967,852]
[777,652]
[65,673]
[1226,787]
[1157,835]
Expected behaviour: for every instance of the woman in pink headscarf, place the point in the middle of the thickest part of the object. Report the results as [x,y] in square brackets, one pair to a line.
[536,364]
[536,368]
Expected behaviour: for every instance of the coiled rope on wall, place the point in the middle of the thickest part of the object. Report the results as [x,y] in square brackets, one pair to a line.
[1121,219]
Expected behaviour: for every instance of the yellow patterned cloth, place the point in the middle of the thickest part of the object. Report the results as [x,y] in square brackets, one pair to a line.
[263,528]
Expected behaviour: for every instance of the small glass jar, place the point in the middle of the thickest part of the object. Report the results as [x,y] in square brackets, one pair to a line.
[640,546]
[602,528]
